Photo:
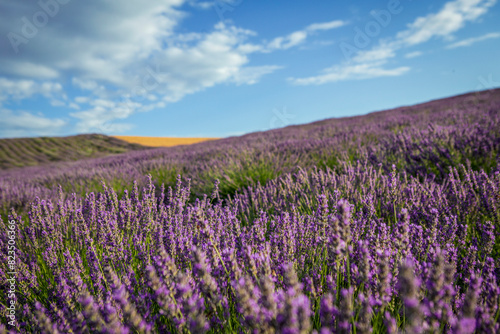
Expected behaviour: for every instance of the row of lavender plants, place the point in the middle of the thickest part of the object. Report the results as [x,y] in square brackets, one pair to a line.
[362,251]
[423,140]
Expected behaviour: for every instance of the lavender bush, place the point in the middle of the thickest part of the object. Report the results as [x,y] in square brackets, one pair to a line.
[316,238]
[423,140]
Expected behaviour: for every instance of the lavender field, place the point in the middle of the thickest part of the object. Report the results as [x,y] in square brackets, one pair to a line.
[383,223]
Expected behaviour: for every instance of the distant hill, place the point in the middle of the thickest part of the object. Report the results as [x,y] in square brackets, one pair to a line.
[20,152]
[162,141]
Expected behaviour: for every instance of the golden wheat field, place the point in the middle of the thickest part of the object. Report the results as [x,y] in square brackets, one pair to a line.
[162,141]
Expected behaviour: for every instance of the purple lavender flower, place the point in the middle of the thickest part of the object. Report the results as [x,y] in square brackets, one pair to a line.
[346,311]
[408,286]
[43,321]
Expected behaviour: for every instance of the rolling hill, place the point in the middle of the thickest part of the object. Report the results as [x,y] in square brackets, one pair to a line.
[21,152]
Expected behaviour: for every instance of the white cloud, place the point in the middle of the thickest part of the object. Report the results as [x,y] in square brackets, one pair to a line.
[27,69]
[81,99]
[73,105]
[371,63]
[220,56]
[287,42]
[452,17]
[23,89]
[98,40]
[101,115]
[107,50]
[84,84]
[220,4]
[47,89]
[381,52]
[57,103]
[17,89]
[251,75]
[298,37]
[413,54]
[24,124]
[202,4]
[351,72]
[326,25]
[473,40]
[180,69]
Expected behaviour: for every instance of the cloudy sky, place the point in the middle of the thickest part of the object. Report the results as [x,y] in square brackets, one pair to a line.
[228,67]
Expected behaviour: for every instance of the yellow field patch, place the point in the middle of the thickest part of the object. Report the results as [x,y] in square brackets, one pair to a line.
[162,141]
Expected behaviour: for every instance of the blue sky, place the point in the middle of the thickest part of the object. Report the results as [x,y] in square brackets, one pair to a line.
[228,67]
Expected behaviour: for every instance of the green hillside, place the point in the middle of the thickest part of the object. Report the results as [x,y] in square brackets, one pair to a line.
[20,152]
